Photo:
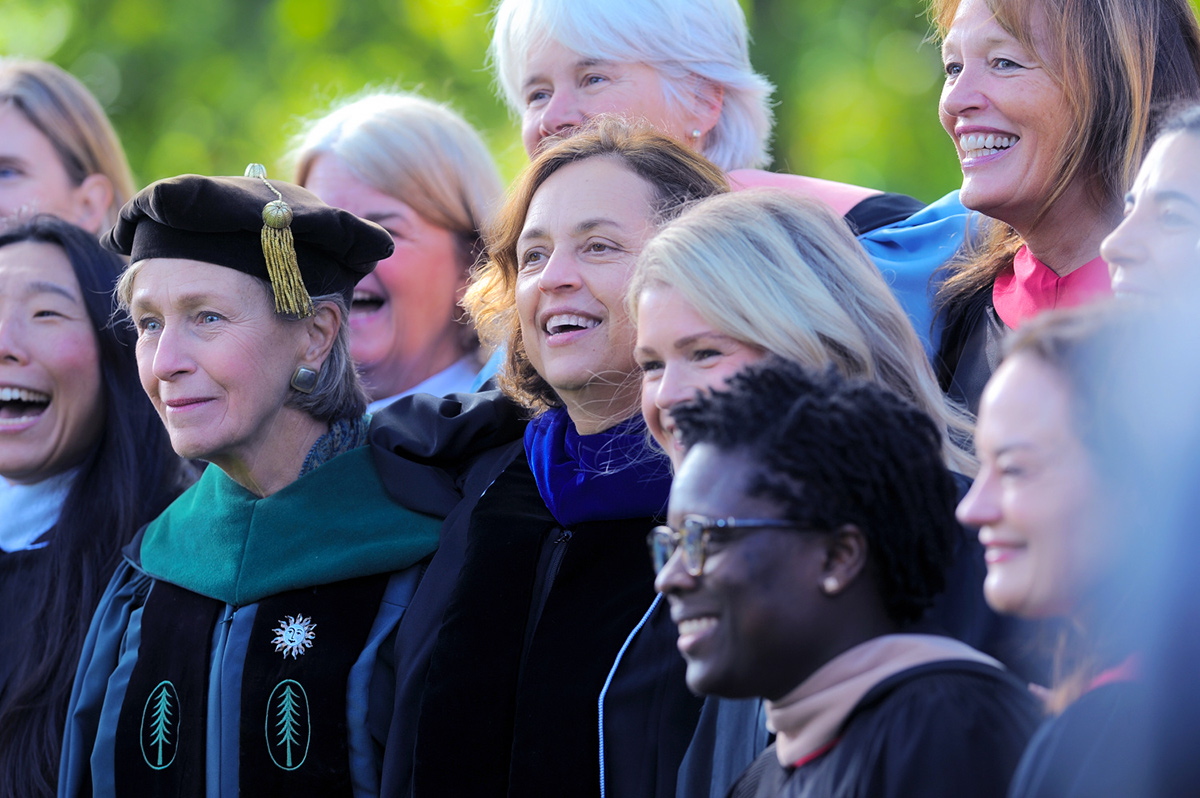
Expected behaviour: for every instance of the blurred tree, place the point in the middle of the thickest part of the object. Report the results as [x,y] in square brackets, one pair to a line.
[207,87]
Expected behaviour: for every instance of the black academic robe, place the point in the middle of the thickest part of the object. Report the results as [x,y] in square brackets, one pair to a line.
[18,571]
[1095,748]
[970,349]
[949,729]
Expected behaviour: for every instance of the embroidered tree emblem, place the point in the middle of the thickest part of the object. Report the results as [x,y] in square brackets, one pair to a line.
[287,725]
[287,722]
[160,717]
[160,722]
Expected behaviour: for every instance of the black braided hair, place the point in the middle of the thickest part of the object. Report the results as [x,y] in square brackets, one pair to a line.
[833,451]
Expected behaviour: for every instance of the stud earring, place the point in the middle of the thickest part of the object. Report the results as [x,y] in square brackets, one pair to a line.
[304,379]
[830,585]
[696,134]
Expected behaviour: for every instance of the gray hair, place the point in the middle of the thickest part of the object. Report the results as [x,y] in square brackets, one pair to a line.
[681,39]
[339,393]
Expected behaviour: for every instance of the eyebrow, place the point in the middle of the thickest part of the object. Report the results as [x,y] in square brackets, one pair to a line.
[43,287]
[1169,195]
[583,63]
[1016,446]
[186,301]
[688,340]
[586,226]
[386,216]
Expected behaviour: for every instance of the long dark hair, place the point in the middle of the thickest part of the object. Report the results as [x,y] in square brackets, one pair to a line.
[126,481]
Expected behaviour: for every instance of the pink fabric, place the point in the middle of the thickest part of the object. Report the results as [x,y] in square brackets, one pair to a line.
[1127,671]
[809,718]
[1032,287]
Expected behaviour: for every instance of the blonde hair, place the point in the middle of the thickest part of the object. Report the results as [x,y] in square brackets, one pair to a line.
[417,151]
[785,274]
[685,41]
[67,114]
[1117,63]
[676,176]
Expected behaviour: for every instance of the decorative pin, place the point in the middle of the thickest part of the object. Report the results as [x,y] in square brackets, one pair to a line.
[279,249]
[294,636]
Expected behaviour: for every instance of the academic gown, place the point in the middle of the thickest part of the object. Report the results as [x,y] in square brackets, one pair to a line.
[971,343]
[19,570]
[1095,749]
[517,620]
[950,728]
[245,645]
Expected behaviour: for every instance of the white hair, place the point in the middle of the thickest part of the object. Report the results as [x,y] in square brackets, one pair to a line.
[681,39]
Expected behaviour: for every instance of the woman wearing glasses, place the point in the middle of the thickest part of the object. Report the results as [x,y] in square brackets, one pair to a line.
[810,525]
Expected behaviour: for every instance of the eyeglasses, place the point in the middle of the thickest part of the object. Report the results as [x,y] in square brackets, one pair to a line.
[698,534]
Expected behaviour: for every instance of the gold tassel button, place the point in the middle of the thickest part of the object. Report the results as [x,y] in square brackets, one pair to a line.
[279,250]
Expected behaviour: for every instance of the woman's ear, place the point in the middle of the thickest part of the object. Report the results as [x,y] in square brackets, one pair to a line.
[710,101]
[845,558]
[92,199]
[322,330]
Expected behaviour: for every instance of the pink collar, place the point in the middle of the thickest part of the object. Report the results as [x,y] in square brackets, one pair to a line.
[1127,671]
[1032,287]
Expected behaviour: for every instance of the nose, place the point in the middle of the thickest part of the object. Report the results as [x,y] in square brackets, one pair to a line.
[674,386]
[561,113]
[170,355]
[561,272]
[13,348]
[1124,246]
[964,94]
[981,504]
[674,578]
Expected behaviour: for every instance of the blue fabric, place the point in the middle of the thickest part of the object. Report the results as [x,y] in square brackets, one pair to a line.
[489,370]
[608,476]
[910,252]
[111,650]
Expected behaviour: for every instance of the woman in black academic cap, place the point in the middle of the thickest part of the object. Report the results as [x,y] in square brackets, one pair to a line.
[236,649]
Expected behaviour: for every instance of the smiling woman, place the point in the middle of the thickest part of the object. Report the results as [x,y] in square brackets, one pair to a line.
[237,649]
[845,509]
[1061,523]
[541,572]
[59,153]
[1050,114]
[1154,251]
[84,464]
[420,171]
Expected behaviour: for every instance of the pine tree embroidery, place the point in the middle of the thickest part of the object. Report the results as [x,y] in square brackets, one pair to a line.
[287,722]
[160,725]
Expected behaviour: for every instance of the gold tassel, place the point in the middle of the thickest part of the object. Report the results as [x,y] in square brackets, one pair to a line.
[279,250]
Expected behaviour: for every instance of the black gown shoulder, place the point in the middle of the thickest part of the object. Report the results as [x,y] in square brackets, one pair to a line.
[18,571]
[880,210]
[1095,748]
[950,729]
[970,349]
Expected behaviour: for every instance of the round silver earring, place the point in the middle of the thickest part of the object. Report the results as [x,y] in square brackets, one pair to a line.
[830,585]
[304,379]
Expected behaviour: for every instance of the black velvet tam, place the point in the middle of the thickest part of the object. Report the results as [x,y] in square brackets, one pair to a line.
[219,220]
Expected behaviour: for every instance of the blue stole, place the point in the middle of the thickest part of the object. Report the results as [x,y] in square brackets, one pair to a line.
[609,476]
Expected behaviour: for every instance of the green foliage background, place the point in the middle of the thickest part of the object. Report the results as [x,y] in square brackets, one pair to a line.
[208,86]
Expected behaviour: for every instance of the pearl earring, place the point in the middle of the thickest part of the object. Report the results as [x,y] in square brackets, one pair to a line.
[830,585]
[696,134]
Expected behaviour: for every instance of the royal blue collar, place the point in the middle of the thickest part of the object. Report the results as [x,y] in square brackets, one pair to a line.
[608,476]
